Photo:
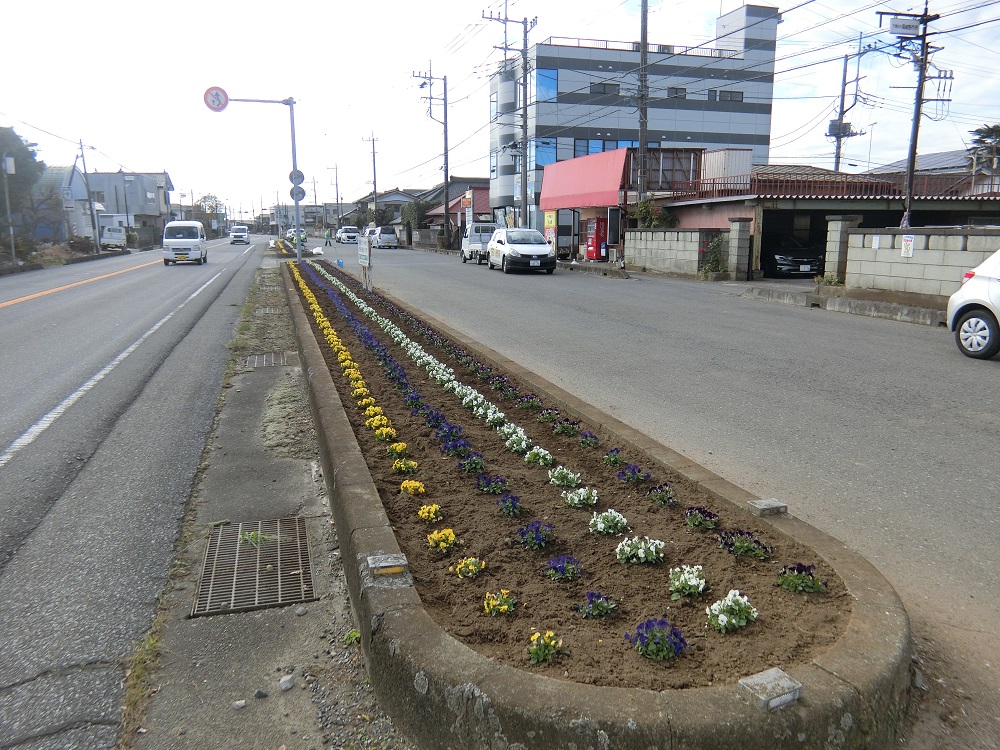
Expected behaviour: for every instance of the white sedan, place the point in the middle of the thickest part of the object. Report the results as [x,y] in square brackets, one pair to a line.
[517,248]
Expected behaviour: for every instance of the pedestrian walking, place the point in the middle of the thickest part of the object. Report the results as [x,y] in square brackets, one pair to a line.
[326,238]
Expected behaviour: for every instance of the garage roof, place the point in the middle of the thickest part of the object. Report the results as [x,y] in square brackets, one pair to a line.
[584,182]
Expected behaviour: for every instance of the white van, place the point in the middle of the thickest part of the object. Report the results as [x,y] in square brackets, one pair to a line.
[184,240]
[477,235]
[239,233]
[113,237]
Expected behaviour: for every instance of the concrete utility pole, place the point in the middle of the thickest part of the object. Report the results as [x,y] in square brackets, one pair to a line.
[526,215]
[374,181]
[90,198]
[643,101]
[428,81]
[8,167]
[905,29]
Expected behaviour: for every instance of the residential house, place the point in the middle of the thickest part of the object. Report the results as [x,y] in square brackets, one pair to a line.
[143,198]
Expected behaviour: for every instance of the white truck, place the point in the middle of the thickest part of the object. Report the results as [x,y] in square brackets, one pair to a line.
[477,235]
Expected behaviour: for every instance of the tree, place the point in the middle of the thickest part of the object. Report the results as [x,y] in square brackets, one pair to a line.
[414,213]
[27,170]
[651,216]
[985,147]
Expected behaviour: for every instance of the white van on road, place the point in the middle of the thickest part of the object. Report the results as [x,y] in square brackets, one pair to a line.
[184,241]
[477,235]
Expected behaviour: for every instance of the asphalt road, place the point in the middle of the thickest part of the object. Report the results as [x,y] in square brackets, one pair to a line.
[112,370]
[880,433]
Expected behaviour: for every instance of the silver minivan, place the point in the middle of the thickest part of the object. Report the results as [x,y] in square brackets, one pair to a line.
[184,241]
[384,237]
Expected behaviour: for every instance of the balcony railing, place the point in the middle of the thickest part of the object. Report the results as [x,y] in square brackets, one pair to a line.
[653,49]
[816,186]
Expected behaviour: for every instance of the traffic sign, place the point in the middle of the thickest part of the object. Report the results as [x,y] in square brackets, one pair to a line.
[216,98]
[296,177]
[298,193]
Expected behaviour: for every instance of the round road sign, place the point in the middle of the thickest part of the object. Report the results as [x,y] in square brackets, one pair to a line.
[298,193]
[296,177]
[216,99]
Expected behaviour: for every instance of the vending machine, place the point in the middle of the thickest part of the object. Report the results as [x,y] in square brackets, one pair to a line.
[597,239]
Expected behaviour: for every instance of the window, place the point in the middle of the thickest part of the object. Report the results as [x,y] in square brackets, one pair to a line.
[97,195]
[730,96]
[596,146]
[628,144]
[675,92]
[713,95]
[605,88]
[545,151]
[494,109]
[546,84]
[580,147]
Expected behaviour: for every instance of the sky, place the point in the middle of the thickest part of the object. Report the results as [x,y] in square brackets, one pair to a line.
[128,78]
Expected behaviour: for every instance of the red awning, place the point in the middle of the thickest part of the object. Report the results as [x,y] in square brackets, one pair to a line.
[584,182]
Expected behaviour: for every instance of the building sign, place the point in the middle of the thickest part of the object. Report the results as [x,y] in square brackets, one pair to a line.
[907,251]
[901,26]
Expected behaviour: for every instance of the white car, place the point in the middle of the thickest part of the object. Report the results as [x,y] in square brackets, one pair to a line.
[519,248]
[384,237]
[973,311]
[347,234]
[239,233]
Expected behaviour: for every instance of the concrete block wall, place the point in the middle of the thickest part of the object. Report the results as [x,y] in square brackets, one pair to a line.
[940,258]
[665,250]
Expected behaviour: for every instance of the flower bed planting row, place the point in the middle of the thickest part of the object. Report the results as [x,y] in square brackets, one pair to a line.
[536,540]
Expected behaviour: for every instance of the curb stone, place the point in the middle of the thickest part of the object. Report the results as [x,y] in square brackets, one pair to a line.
[446,695]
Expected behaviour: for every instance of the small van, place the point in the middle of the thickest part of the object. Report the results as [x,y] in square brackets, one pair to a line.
[384,237]
[113,237]
[239,233]
[184,241]
[477,235]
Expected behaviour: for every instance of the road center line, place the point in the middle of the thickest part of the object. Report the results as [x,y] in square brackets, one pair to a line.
[36,295]
[35,431]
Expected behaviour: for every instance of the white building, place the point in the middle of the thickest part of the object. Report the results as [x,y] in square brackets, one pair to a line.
[582,99]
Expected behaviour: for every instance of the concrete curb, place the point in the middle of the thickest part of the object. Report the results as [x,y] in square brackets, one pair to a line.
[871,308]
[446,695]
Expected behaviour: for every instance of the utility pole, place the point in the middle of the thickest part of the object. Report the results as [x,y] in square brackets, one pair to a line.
[374,180]
[838,129]
[336,191]
[643,101]
[7,165]
[907,29]
[90,198]
[428,81]
[526,215]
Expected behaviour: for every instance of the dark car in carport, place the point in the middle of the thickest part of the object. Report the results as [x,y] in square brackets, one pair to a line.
[784,254]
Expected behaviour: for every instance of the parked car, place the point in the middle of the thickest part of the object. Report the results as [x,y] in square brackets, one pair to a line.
[385,237]
[184,240]
[784,254]
[114,237]
[347,234]
[517,248]
[474,241]
[973,311]
[239,233]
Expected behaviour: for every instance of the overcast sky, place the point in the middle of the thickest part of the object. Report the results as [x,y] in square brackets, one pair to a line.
[128,78]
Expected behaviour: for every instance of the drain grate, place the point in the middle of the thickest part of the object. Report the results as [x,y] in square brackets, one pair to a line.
[255,565]
[271,359]
[269,310]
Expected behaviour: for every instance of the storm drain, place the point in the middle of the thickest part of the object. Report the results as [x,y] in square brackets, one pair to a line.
[271,359]
[269,310]
[255,565]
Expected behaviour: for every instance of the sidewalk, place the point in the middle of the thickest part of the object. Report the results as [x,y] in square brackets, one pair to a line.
[280,677]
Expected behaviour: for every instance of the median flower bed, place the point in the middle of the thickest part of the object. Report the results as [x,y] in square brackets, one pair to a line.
[552,510]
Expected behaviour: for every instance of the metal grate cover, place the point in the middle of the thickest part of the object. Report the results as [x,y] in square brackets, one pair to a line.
[271,359]
[240,576]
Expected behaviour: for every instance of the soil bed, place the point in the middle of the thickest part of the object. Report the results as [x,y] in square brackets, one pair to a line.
[792,628]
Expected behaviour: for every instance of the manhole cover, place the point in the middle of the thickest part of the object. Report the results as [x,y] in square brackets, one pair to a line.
[255,565]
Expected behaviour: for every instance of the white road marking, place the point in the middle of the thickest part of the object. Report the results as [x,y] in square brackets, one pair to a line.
[36,430]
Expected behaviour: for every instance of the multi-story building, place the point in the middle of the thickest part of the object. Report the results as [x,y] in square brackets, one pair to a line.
[582,98]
